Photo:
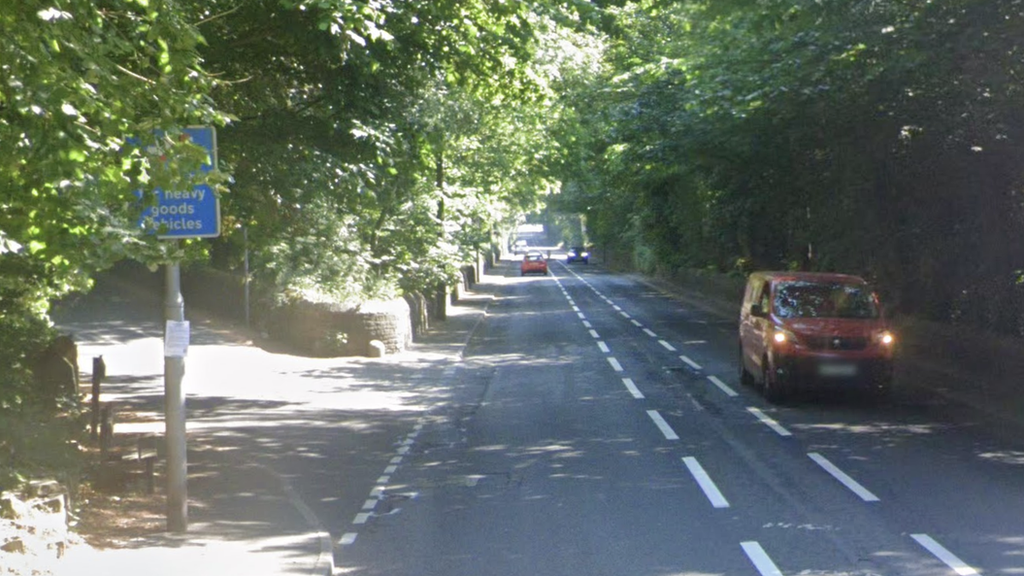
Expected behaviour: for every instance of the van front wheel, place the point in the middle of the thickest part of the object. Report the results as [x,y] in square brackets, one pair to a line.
[746,378]
[771,388]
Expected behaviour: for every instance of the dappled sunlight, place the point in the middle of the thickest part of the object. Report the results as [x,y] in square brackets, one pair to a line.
[1013,457]
[803,527]
[874,428]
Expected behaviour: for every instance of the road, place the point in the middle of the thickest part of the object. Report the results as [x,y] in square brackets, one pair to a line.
[596,426]
[586,424]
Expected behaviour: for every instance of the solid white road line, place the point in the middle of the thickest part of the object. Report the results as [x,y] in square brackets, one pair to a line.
[650,333]
[604,347]
[947,557]
[722,386]
[768,421]
[667,430]
[760,559]
[632,388]
[667,346]
[615,364]
[838,474]
[690,363]
[705,483]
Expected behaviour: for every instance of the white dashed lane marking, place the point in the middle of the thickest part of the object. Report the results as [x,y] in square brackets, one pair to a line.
[628,382]
[768,421]
[947,557]
[667,430]
[722,386]
[690,363]
[705,483]
[760,559]
[843,478]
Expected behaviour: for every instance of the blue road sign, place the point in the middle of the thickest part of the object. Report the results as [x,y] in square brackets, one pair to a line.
[189,213]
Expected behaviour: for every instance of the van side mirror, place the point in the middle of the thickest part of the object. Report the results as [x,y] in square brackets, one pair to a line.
[756,311]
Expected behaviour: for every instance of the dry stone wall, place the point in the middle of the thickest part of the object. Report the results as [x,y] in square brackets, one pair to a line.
[330,329]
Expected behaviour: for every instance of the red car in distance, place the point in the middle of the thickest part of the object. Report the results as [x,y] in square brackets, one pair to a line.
[534,263]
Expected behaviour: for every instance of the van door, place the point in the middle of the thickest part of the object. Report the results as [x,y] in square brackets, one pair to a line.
[748,324]
[754,329]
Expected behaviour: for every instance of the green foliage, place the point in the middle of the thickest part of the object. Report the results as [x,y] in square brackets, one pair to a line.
[879,138]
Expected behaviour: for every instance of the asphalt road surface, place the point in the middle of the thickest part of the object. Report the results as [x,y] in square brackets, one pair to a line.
[596,427]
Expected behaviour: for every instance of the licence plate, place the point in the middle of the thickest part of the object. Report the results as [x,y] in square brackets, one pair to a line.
[836,369]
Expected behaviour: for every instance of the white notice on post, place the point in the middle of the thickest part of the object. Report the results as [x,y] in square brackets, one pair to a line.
[176,339]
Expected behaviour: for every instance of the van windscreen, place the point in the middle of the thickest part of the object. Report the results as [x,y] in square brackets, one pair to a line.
[824,300]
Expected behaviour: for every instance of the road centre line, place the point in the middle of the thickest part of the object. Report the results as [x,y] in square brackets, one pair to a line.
[843,478]
[628,382]
[760,559]
[604,347]
[587,324]
[637,324]
[667,346]
[768,421]
[692,342]
[722,386]
[650,333]
[575,308]
[370,504]
[361,518]
[705,482]
[947,557]
[347,539]
[690,363]
[594,333]
[615,364]
[625,315]
[667,430]
[581,315]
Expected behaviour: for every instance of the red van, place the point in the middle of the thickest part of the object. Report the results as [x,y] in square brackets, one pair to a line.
[813,330]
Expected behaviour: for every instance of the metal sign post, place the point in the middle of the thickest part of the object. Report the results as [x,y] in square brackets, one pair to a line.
[181,214]
[174,402]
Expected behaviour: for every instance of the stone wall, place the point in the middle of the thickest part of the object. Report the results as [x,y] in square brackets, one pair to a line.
[330,329]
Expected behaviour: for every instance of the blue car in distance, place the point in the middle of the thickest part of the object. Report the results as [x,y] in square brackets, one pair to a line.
[577,254]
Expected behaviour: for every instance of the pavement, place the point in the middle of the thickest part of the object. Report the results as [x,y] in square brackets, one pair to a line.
[244,515]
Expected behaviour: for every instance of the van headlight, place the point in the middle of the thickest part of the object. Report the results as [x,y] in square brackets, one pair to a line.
[781,336]
[885,338]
